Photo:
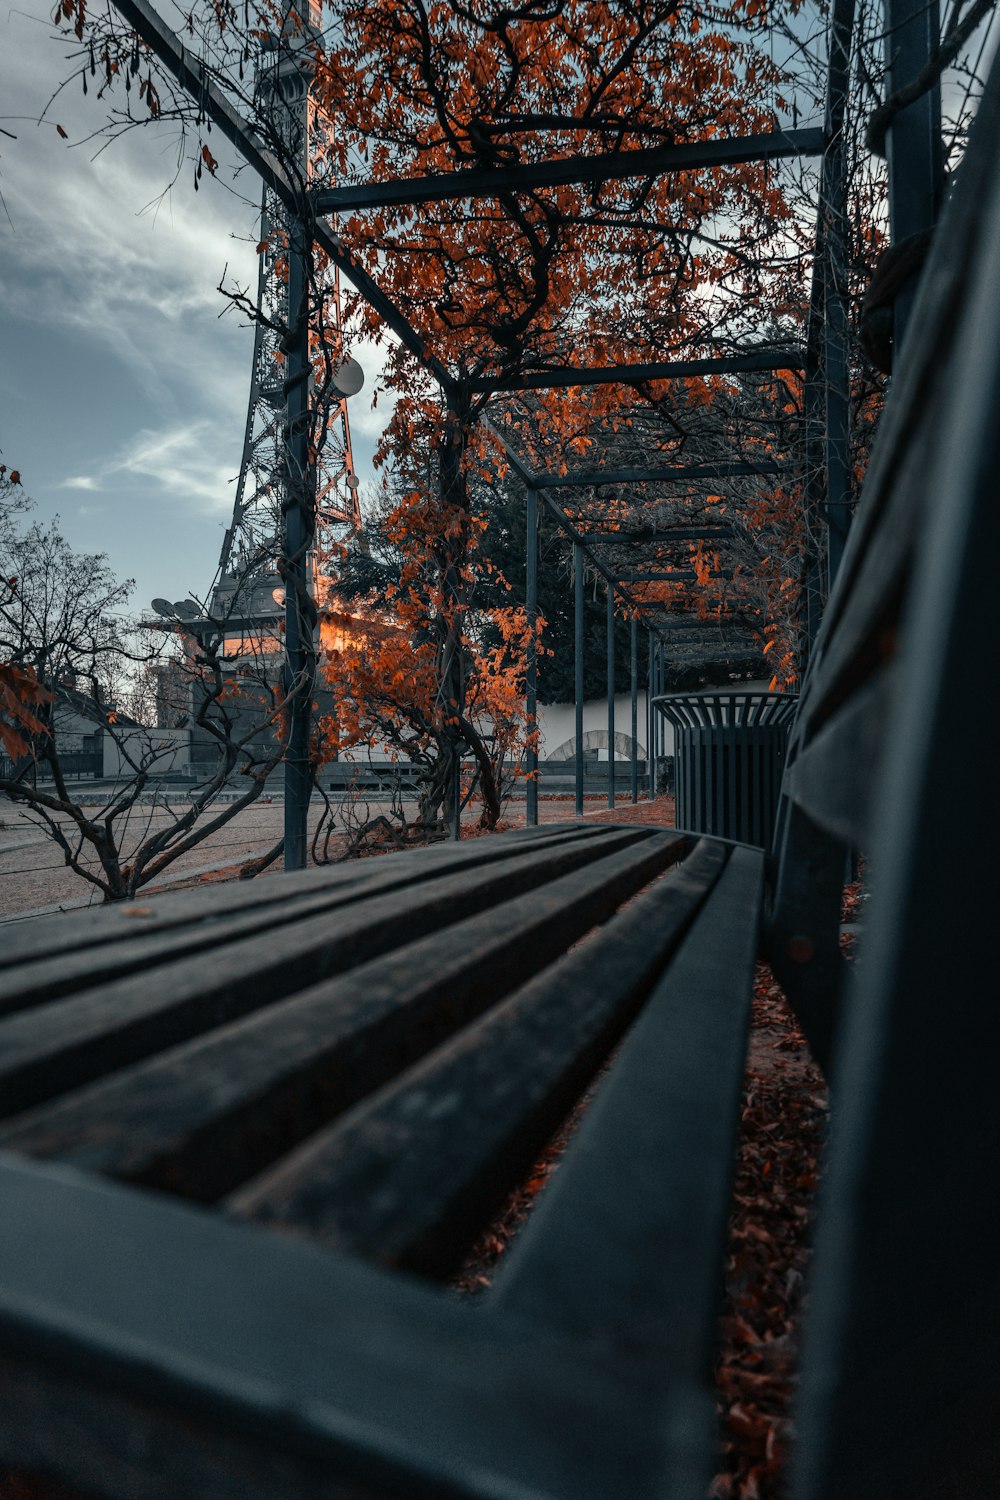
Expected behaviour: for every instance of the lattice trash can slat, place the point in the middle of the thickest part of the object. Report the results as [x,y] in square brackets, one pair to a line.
[729,753]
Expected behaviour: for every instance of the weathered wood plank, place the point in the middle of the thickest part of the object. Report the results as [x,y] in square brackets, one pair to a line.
[414,1174]
[108,924]
[131,938]
[625,1248]
[102,1443]
[207,1115]
[123,923]
[338,1378]
[649,1168]
[47,1050]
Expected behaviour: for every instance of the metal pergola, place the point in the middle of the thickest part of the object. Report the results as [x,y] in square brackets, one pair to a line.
[915,187]
[540,485]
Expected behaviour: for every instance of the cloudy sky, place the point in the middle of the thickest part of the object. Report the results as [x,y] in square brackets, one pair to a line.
[122,392]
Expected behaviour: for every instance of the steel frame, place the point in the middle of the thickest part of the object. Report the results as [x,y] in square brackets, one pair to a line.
[535,484]
[307,210]
[586,479]
[562,171]
[913,140]
[639,374]
[659,538]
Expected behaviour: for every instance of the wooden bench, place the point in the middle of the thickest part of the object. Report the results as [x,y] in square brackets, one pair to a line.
[368,1060]
[248,1133]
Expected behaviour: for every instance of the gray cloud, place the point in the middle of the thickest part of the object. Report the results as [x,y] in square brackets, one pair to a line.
[120,377]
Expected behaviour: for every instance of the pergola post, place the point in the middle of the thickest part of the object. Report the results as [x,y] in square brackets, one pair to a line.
[578,670]
[298,523]
[913,139]
[531,671]
[651,717]
[813,583]
[661,684]
[832,235]
[634,686]
[611,693]
[838,477]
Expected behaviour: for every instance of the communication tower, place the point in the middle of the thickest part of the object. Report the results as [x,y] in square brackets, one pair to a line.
[249,586]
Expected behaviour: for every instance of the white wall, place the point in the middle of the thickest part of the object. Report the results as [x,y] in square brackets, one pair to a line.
[170,748]
[557,724]
[72,729]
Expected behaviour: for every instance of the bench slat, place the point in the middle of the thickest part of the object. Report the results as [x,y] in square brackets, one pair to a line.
[122,939]
[639,1207]
[206,1116]
[900,1380]
[415,1174]
[336,1380]
[45,1051]
[649,1170]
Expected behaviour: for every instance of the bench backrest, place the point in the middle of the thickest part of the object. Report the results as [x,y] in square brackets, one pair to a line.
[893,755]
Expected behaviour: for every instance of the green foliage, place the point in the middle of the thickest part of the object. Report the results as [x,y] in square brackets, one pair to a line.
[505,544]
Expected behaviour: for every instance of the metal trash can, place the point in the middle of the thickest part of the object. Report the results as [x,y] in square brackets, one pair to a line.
[729,753]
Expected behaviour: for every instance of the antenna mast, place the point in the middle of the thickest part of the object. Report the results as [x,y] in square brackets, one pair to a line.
[251,544]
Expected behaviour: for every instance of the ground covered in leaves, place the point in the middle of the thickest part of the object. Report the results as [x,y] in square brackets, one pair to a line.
[783,1126]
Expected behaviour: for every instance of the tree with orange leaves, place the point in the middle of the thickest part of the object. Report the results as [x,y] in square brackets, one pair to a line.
[629,269]
[388,679]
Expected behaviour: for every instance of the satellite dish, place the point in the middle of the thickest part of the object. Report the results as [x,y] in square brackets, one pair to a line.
[278,595]
[163,607]
[184,609]
[349,379]
[353,481]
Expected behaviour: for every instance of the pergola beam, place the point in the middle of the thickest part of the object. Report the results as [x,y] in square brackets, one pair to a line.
[682,575]
[539,483]
[695,627]
[659,538]
[564,171]
[535,482]
[593,478]
[192,75]
[682,622]
[676,369]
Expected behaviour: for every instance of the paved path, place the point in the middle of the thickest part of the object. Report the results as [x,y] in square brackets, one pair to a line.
[33,874]
[34,878]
